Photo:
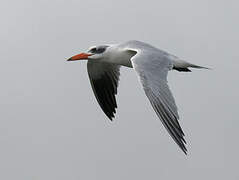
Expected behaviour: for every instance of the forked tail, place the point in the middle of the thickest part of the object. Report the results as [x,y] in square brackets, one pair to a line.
[181,65]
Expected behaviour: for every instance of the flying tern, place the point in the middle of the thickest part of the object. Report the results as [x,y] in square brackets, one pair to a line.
[150,64]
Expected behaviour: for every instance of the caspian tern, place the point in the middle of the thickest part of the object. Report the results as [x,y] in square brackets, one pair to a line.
[151,65]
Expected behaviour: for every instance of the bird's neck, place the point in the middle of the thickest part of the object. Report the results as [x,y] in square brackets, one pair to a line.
[120,57]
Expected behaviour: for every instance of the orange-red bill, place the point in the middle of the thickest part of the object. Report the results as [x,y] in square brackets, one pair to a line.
[80,56]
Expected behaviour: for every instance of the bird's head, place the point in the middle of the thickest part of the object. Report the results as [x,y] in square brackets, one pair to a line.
[94,53]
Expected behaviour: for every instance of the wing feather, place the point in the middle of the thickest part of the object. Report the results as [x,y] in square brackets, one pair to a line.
[152,70]
[104,79]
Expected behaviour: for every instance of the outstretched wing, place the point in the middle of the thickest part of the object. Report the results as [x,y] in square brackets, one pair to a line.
[152,70]
[104,79]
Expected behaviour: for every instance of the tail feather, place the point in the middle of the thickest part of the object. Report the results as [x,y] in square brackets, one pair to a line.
[181,65]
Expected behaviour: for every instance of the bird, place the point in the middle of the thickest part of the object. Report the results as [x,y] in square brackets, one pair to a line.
[151,66]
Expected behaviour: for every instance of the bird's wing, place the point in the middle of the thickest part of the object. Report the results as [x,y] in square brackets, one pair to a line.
[104,79]
[152,69]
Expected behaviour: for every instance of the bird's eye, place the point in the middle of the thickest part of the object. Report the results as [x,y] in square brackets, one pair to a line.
[93,50]
[98,50]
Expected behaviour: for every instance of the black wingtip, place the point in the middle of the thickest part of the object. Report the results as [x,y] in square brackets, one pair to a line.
[182,146]
[110,116]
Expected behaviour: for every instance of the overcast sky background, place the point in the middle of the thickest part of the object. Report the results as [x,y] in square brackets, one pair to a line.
[51,127]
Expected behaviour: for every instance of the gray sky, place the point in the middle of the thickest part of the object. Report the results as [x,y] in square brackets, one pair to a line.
[51,126]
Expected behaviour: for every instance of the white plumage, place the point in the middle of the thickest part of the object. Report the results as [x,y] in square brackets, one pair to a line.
[151,65]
